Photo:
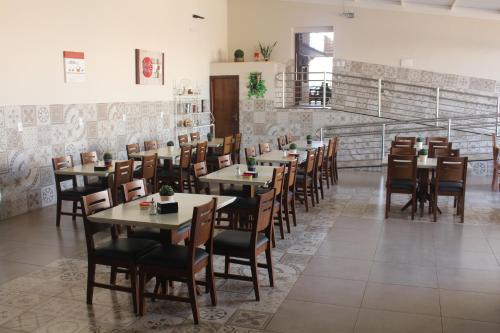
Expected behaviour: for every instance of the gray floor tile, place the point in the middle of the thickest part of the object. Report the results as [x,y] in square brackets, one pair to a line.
[376,321]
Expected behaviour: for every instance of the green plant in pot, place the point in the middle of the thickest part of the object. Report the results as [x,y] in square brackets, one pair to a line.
[108,159]
[170,146]
[309,139]
[166,193]
[210,136]
[420,143]
[293,148]
[239,56]
[251,164]
[266,50]
[256,86]
[422,155]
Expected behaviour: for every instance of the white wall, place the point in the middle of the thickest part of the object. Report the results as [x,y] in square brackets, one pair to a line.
[436,43]
[34,33]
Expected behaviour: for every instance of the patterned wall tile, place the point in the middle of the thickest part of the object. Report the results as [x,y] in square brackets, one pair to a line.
[56,114]
[49,195]
[29,115]
[4,163]
[2,116]
[13,117]
[43,114]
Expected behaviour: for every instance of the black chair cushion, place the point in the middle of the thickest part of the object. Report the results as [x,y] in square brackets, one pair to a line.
[447,186]
[235,240]
[125,248]
[77,192]
[245,203]
[171,256]
[402,184]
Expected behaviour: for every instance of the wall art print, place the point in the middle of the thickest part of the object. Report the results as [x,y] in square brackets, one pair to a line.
[149,67]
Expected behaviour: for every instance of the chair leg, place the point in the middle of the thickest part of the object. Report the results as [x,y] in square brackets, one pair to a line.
[413,204]
[192,297]
[280,223]
[112,276]
[321,188]
[90,282]
[311,190]
[462,208]
[387,203]
[58,213]
[226,265]
[133,286]
[75,207]
[305,197]
[316,190]
[286,211]
[141,287]
[434,207]
[269,262]
[211,281]
[255,277]
[294,216]
[494,181]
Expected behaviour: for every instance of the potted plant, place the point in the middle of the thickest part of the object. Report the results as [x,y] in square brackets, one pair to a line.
[239,56]
[170,147]
[210,136]
[422,155]
[256,86]
[420,143]
[251,164]
[309,139]
[266,50]
[108,159]
[166,193]
[293,148]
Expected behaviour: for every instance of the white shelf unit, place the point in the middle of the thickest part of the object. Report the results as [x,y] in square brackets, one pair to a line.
[190,107]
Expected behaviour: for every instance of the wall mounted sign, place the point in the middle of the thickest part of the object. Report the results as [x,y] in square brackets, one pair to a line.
[149,67]
[74,66]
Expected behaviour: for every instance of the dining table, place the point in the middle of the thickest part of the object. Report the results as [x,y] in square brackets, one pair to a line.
[281,157]
[214,143]
[302,145]
[164,153]
[89,170]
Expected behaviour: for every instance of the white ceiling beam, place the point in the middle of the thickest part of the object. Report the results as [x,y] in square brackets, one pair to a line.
[452,4]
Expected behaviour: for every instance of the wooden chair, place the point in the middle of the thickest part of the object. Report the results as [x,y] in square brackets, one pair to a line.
[123,174]
[116,253]
[195,136]
[305,180]
[435,144]
[335,167]
[244,247]
[150,145]
[401,144]
[451,178]
[289,194]
[250,152]
[281,142]
[133,148]
[442,139]
[401,178]
[410,139]
[199,170]
[288,138]
[91,158]
[327,171]
[446,152]
[180,175]
[318,173]
[148,172]
[403,151]
[237,148]
[74,193]
[201,152]
[496,169]
[227,147]
[264,148]
[183,138]
[182,263]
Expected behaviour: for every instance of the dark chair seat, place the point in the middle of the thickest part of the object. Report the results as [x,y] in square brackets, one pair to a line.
[76,192]
[235,240]
[245,203]
[123,248]
[402,184]
[446,186]
[233,191]
[145,233]
[172,256]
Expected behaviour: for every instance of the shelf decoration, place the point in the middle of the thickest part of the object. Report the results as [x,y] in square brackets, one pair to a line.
[74,66]
[256,86]
[149,67]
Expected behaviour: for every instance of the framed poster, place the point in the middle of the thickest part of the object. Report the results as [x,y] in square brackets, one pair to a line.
[149,67]
[74,66]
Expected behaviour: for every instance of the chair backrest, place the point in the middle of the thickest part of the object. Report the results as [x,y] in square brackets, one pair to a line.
[185,161]
[89,157]
[410,139]
[183,138]
[291,175]
[451,169]
[264,215]
[225,161]
[150,145]
[134,190]
[132,148]
[123,174]
[446,152]
[310,159]
[288,138]
[494,140]
[278,180]
[202,228]
[442,139]
[281,142]
[496,151]
[250,152]
[237,143]
[201,151]
[320,157]
[91,204]
[331,149]
[264,148]
[195,136]
[436,144]
[227,145]
[59,163]
[199,170]
[149,167]
[402,167]
[403,151]
[401,144]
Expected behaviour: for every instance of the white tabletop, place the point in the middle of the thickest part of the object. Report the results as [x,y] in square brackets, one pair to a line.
[163,153]
[276,156]
[88,170]
[215,143]
[228,176]
[131,214]
[431,163]
[302,145]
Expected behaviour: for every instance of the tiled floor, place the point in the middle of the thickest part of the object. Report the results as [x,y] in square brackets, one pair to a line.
[342,269]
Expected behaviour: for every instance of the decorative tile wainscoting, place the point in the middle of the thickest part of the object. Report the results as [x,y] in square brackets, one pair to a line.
[30,135]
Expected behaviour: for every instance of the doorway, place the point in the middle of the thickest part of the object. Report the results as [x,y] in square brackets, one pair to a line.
[225,104]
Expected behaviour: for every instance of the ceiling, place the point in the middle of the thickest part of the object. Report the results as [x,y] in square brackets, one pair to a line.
[468,8]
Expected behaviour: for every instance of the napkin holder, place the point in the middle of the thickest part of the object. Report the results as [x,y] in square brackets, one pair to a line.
[100,168]
[167,207]
[254,174]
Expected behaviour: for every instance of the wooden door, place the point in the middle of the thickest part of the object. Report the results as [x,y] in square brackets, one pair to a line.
[225,104]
